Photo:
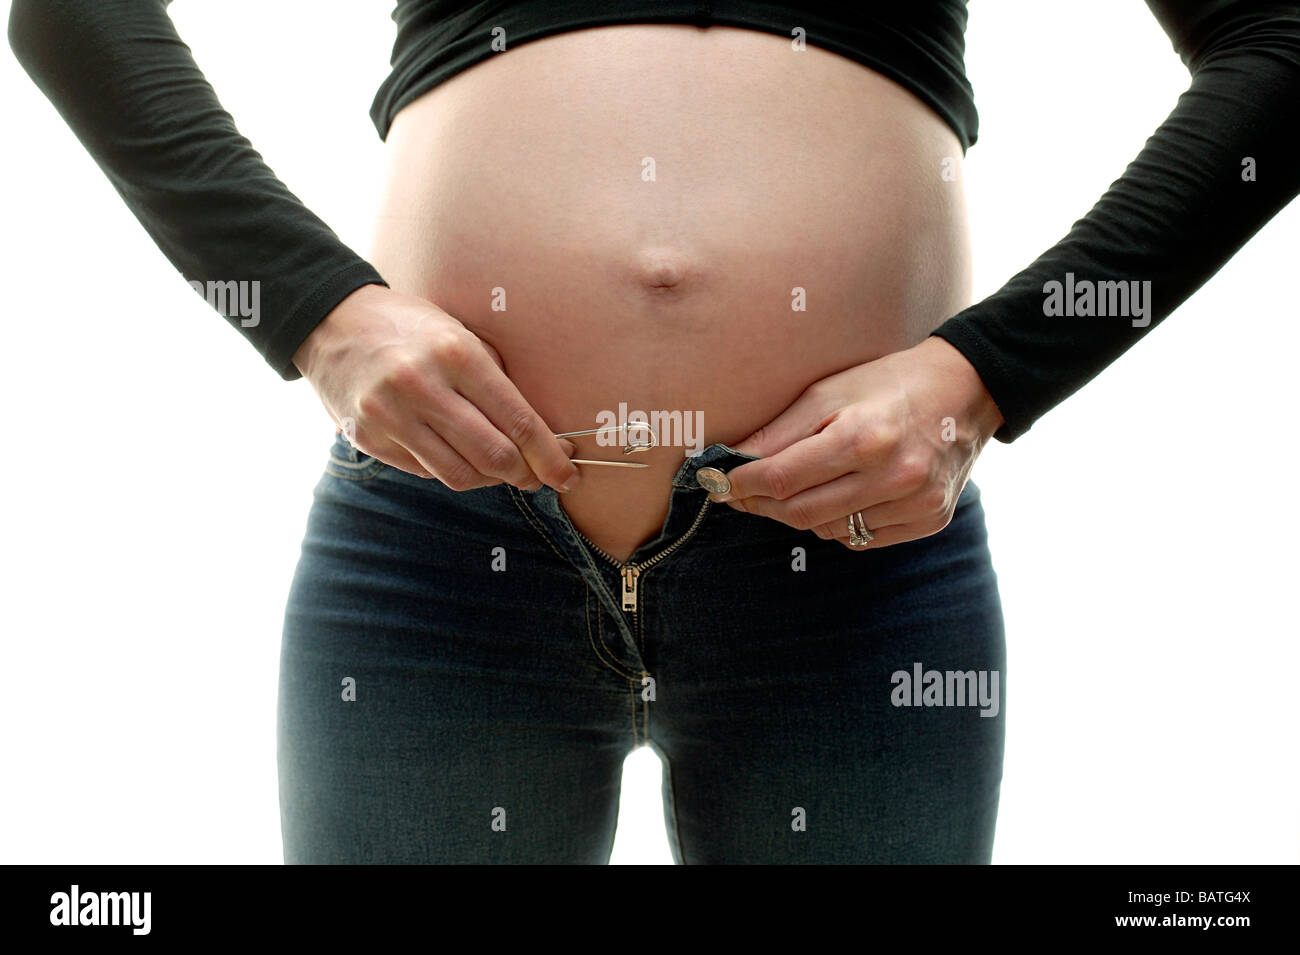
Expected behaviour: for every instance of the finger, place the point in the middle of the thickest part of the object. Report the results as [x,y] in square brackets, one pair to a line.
[806,415]
[933,505]
[395,456]
[492,353]
[497,399]
[888,536]
[432,457]
[402,459]
[441,460]
[820,506]
[814,460]
[468,431]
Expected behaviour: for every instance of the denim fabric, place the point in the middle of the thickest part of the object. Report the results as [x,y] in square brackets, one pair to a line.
[460,683]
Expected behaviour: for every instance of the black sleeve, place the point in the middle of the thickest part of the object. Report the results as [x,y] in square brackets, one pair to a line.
[130,90]
[1223,163]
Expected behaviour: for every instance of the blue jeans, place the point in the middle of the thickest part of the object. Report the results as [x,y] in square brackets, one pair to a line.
[460,681]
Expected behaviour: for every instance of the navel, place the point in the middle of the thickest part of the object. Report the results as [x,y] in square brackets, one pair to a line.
[662,270]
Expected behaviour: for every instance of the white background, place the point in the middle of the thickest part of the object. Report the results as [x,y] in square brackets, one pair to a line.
[159,476]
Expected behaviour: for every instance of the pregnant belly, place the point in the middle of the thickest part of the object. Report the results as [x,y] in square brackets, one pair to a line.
[668,219]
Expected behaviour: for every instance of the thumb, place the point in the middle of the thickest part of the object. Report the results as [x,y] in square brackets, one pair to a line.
[806,416]
[493,354]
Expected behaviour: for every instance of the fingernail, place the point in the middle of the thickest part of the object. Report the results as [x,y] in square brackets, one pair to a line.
[571,483]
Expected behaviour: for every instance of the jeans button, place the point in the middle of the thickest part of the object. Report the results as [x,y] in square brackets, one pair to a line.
[712,480]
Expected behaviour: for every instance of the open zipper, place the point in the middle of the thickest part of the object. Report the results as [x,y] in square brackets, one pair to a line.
[631,572]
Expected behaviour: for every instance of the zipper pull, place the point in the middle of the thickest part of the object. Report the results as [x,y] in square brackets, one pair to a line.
[630,573]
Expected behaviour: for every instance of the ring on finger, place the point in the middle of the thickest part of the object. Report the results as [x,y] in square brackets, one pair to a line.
[859,534]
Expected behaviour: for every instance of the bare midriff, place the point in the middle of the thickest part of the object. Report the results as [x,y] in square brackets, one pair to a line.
[664,218]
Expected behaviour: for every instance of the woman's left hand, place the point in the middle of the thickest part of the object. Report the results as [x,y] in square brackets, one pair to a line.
[893,439]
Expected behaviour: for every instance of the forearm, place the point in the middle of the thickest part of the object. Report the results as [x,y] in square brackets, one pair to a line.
[1183,207]
[130,90]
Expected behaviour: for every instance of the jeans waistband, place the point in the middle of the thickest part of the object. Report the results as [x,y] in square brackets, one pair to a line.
[691,486]
[717,456]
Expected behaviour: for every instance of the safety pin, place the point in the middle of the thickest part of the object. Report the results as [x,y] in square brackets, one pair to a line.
[630,449]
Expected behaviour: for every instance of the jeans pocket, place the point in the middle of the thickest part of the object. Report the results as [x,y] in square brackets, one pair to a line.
[350,463]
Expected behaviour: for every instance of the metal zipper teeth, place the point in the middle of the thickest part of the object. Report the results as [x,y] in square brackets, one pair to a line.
[704,509]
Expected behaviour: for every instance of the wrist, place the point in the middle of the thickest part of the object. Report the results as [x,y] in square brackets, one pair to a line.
[972,400]
[328,327]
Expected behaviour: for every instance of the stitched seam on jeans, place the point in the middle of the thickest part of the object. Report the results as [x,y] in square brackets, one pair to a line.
[632,687]
[355,472]
[535,524]
[532,519]
[645,704]
[676,835]
[621,668]
[612,664]
[645,708]
[627,672]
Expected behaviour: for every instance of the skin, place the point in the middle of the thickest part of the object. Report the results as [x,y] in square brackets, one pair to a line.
[774,169]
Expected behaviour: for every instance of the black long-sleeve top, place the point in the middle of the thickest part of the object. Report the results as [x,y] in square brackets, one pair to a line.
[1221,165]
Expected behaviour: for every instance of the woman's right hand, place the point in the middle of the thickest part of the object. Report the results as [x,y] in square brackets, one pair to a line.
[426,395]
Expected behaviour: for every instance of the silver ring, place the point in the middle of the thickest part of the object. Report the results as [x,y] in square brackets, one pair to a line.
[859,534]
